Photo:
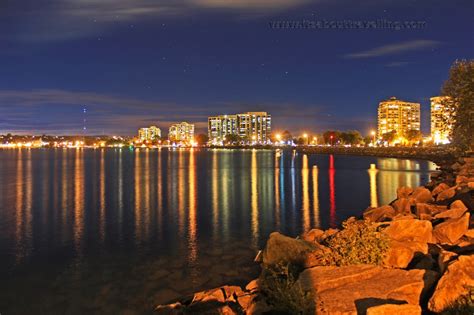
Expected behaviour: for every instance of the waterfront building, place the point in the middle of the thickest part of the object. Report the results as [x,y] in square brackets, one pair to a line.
[149,134]
[250,127]
[255,126]
[181,133]
[441,119]
[221,126]
[399,116]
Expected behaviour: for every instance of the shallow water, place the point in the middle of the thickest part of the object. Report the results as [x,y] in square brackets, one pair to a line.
[113,230]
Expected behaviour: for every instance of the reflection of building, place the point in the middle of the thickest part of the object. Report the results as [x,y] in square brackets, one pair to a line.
[149,134]
[441,118]
[250,126]
[401,116]
[182,132]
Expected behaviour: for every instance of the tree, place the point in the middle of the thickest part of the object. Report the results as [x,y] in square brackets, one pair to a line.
[331,136]
[201,139]
[460,87]
[389,136]
[351,137]
[413,136]
[286,136]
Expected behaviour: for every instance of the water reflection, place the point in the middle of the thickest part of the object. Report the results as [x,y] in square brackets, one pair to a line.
[316,196]
[79,201]
[77,207]
[373,185]
[254,198]
[332,191]
[193,250]
[305,193]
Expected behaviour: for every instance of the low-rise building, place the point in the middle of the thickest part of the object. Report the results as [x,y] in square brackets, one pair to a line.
[151,133]
[181,133]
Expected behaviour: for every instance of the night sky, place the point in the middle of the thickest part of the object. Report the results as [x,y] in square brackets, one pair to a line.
[134,63]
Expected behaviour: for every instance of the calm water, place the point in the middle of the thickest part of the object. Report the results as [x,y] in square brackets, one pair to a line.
[113,230]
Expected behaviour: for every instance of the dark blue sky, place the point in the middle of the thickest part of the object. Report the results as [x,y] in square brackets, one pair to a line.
[139,62]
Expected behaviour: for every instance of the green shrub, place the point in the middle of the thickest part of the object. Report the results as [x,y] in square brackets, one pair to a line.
[464,305]
[283,293]
[360,242]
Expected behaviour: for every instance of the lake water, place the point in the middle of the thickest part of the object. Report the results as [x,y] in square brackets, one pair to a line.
[119,231]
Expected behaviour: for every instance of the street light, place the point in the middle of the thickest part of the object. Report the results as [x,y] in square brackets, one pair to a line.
[305,136]
[373,135]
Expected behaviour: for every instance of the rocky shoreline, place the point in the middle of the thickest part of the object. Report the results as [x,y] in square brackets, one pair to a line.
[413,256]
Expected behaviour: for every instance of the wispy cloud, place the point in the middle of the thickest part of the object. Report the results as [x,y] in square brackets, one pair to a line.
[68,19]
[393,49]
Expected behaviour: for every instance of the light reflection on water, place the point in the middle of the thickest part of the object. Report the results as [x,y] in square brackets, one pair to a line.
[99,216]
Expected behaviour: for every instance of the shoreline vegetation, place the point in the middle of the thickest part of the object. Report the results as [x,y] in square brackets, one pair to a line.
[412,256]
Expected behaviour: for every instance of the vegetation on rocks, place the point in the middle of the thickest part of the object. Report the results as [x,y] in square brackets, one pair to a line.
[359,242]
[463,305]
[283,293]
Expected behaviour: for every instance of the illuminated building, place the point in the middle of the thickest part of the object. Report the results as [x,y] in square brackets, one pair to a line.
[255,126]
[441,119]
[252,127]
[401,116]
[221,126]
[181,132]
[149,134]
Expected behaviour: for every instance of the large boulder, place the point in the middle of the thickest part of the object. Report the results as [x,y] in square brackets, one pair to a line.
[391,309]
[354,289]
[312,235]
[284,249]
[404,192]
[456,210]
[407,238]
[421,195]
[402,205]
[451,230]
[427,208]
[455,283]
[440,188]
[379,214]
[446,194]
[400,254]
[410,230]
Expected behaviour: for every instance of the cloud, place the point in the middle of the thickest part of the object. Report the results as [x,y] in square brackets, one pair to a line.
[68,19]
[393,49]
[249,4]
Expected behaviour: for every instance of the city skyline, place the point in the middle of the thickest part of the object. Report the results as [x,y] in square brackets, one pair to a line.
[133,64]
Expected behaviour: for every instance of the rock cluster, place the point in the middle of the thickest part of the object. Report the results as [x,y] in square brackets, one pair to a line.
[427,265]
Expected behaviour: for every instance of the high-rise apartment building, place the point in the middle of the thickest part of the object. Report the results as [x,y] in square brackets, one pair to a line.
[182,132]
[221,126]
[398,115]
[441,119]
[149,134]
[252,127]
